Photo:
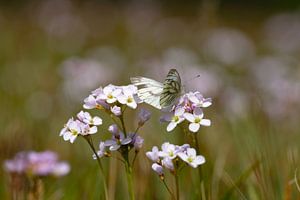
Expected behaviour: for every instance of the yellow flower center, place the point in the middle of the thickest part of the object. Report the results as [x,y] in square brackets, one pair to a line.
[190,159]
[175,118]
[129,100]
[197,120]
[74,132]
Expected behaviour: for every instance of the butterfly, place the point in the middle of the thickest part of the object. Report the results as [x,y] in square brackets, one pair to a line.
[157,94]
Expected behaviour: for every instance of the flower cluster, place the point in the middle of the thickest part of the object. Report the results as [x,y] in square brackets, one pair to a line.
[83,125]
[189,107]
[118,141]
[170,154]
[111,97]
[37,164]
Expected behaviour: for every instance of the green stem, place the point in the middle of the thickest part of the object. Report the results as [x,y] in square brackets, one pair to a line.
[115,121]
[89,140]
[129,177]
[36,189]
[196,144]
[170,192]
[134,158]
[125,154]
[177,186]
[123,125]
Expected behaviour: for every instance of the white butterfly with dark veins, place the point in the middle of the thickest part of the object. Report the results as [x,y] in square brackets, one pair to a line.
[160,95]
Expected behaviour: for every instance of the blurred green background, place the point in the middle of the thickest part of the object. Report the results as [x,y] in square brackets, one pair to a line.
[54,52]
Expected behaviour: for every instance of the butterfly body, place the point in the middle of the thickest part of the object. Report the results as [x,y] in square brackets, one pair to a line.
[159,95]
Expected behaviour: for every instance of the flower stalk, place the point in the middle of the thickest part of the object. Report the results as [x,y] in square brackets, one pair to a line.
[129,179]
[89,140]
[170,192]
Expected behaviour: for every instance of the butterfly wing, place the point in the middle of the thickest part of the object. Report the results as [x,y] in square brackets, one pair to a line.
[149,90]
[171,89]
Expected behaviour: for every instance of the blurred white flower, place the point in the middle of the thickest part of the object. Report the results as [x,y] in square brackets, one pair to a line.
[278,80]
[228,46]
[282,32]
[59,20]
[236,102]
[81,75]
[37,164]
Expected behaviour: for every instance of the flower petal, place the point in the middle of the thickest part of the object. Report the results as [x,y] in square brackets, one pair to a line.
[198,112]
[205,122]
[191,152]
[183,156]
[114,147]
[132,105]
[109,142]
[171,126]
[93,130]
[194,127]
[179,111]
[97,121]
[189,117]
[126,141]
[199,160]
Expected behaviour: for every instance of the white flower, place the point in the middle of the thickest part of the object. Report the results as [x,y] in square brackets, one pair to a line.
[87,129]
[116,141]
[138,142]
[168,163]
[176,119]
[196,120]
[88,119]
[153,155]
[90,102]
[101,151]
[116,110]
[127,98]
[168,150]
[61,169]
[85,124]
[113,129]
[144,115]
[158,169]
[71,130]
[191,158]
[182,148]
[198,100]
[110,93]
